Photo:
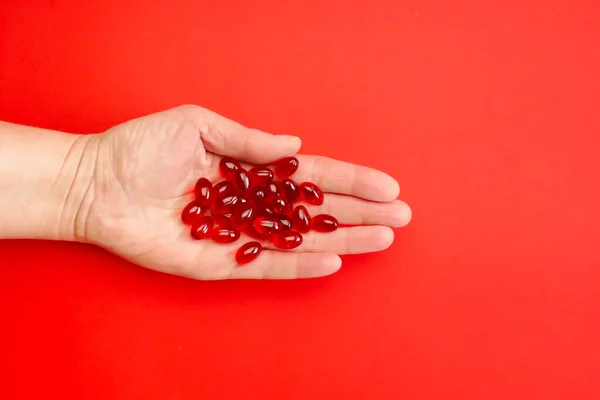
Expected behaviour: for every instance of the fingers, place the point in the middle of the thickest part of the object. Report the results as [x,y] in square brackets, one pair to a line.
[345,178]
[316,256]
[353,211]
[229,138]
[354,240]
[226,137]
[287,265]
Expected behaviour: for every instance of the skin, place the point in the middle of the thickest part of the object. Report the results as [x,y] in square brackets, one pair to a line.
[124,190]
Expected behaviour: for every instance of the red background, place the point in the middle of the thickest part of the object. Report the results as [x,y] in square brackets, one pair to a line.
[486,112]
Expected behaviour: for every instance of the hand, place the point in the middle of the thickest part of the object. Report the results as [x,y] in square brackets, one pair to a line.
[144,173]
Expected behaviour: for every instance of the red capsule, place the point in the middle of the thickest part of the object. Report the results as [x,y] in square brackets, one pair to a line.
[248,252]
[286,222]
[202,228]
[290,190]
[266,211]
[241,181]
[267,225]
[311,193]
[203,192]
[223,220]
[286,167]
[191,213]
[228,166]
[324,223]
[301,219]
[221,189]
[243,215]
[260,176]
[274,190]
[287,240]
[282,206]
[225,204]
[253,233]
[225,235]
[257,194]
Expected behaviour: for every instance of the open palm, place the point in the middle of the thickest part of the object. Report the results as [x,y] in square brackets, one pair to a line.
[145,171]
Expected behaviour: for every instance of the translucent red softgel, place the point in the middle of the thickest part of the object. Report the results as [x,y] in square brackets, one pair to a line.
[266,210]
[260,202]
[287,240]
[268,225]
[228,167]
[258,194]
[311,193]
[260,176]
[301,219]
[274,190]
[223,220]
[192,212]
[286,222]
[248,252]
[290,190]
[241,181]
[281,205]
[221,189]
[324,223]
[225,235]
[244,215]
[202,228]
[203,192]
[286,167]
[253,233]
[225,204]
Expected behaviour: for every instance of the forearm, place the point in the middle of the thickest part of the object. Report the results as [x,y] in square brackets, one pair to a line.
[44,176]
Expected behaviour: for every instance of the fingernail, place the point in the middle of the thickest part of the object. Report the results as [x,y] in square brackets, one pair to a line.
[290,138]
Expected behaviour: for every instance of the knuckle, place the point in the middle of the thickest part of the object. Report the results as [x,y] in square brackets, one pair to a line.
[189,109]
[317,168]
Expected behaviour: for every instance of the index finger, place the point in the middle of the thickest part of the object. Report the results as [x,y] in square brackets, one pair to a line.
[345,178]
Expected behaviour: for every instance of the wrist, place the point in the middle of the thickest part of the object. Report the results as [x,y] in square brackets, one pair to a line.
[74,188]
[44,177]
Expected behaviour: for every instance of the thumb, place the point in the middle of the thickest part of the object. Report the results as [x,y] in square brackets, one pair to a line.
[229,138]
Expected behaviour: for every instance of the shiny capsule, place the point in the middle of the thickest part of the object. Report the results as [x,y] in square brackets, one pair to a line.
[274,190]
[244,215]
[266,211]
[203,192]
[253,233]
[324,223]
[228,166]
[286,222]
[282,205]
[260,176]
[248,252]
[301,219]
[287,240]
[223,220]
[311,193]
[258,194]
[241,181]
[267,225]
[225,204]
[202,228]
[221,189]
[191,213]
[286,167]
[225,235]
[290,190]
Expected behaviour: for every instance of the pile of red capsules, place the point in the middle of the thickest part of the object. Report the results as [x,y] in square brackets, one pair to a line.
[259,202]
